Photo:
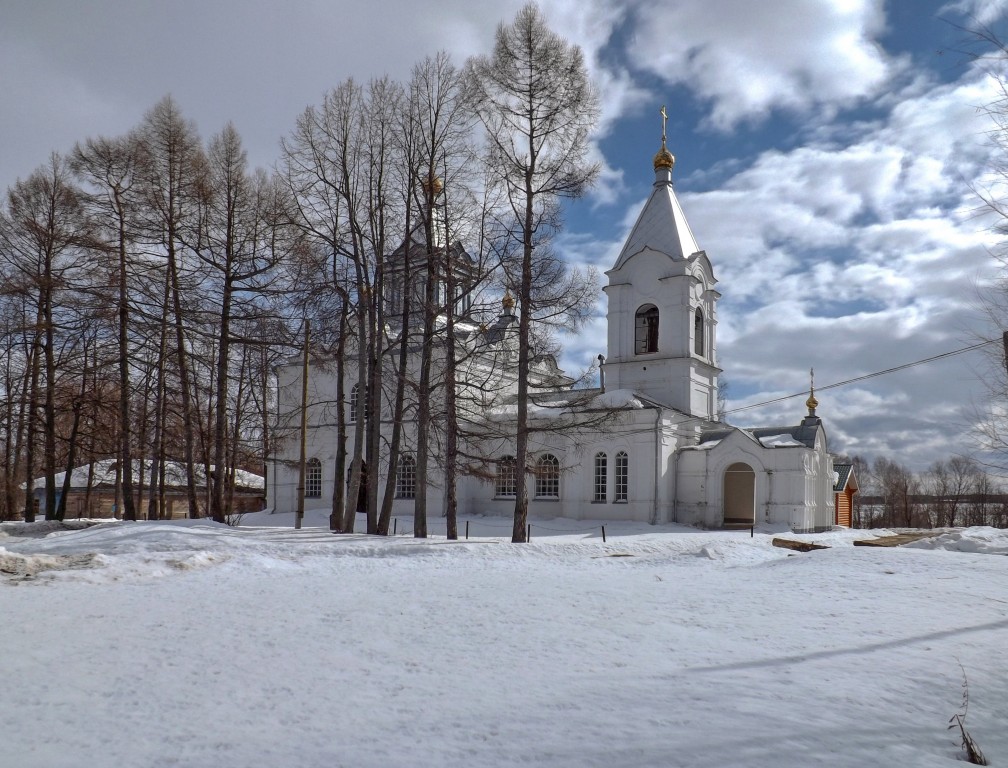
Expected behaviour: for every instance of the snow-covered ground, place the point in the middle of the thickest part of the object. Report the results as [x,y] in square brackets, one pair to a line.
[190,644]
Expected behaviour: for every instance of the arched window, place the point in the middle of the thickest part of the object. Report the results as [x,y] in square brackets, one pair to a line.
[506,482]
[698,332]
[601,471]
[646,329]
[463,300]
[393,295]
[405,482]
[622,479]
[354,402]
[547,482]
[313,479]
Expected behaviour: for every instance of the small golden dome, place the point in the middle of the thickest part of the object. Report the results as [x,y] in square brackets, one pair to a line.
[434,183]
[812,403]
[508,301]
[664,159]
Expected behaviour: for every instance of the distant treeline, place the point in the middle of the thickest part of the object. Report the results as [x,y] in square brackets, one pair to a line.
[952,493]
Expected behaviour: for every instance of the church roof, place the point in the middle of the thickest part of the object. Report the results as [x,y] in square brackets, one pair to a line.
[661,224]
[771,437]
[418,247]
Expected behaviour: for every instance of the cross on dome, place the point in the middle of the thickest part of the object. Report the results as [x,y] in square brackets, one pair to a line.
[811,403]
[664,159]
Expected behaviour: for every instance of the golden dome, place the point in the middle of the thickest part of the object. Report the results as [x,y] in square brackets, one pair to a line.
[508,301]
[664,159]
[434,183]
[812,403]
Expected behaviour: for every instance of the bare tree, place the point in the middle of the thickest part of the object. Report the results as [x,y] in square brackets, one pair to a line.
[320,278]
[42,233]
[538,107]
[109,166]
[338,167]
[899,487]
[238,242]
[171,171]
[442,121]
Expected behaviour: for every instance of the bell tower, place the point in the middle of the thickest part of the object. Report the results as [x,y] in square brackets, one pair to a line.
[662,314]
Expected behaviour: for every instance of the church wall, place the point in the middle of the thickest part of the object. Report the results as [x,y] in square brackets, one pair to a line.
[491,371]
[701,483]
[790,485]
[634,435]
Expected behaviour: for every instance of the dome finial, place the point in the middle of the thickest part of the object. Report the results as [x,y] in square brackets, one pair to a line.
[508,302]
[432,185]
[664,158]
[811,403]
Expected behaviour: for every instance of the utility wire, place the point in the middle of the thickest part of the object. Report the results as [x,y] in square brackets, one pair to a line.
[870,375]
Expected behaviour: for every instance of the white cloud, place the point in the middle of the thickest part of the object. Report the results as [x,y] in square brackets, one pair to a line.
[747,60]
[984,11]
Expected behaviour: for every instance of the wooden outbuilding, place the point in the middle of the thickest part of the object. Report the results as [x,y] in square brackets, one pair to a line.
[93,492]
[843,493]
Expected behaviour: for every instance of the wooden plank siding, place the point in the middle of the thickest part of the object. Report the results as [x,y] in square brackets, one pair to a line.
[844,502]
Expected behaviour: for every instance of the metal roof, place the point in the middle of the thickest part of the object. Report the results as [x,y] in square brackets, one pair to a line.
[843,475]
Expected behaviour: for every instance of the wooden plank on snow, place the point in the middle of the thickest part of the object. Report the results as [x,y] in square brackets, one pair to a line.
[798,546]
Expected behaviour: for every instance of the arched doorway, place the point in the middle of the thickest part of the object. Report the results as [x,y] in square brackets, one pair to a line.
[739,496]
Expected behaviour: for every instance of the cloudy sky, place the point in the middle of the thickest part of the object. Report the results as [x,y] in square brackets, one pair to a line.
[826,152]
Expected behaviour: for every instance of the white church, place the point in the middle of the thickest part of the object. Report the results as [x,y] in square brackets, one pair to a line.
[658,455]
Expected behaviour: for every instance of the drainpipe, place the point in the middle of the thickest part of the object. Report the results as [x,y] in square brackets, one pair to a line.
[657,466]
[769,502]
[675,486]
[601,372]
[706,489]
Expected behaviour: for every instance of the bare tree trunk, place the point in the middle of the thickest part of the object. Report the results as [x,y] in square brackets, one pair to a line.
[339,462]
[72,445]
[372,405]
[451,415]
[426,364]
[125,423]
[356,463]
[50,392]
[399,400]
[19,438]
[220,415]
[519,530]
[32,421]
[183,372]
[89,487]
[155,505]
[117,504]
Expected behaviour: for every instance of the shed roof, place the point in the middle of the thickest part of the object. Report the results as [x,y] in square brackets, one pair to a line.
[845,477]
[175,475]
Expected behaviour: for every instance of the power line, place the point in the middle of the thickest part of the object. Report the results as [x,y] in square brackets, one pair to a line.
[870,375]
